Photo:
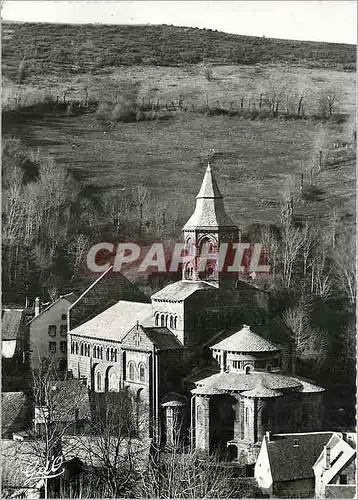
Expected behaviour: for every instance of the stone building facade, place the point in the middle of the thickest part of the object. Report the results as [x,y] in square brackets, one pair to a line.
[158,349]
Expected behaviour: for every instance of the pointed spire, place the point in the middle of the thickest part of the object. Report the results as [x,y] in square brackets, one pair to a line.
[209,187]
[209,211]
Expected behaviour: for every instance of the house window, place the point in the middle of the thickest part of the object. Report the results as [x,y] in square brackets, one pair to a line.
[52,330]
[52,346]
[343,479]
[131,371]
[63,316]
[63,346]
[63,330]
[142,373]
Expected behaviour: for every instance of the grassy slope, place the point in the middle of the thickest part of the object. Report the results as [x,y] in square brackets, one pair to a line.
[82,48]
[254,158]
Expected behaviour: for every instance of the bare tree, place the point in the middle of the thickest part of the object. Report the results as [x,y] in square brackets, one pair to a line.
[291,244]
[345,261]
[297,319]
[140,194]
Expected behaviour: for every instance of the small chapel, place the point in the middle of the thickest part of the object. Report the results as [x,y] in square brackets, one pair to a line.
[202,358]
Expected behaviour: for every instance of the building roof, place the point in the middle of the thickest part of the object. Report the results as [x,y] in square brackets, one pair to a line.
[238,381]
[16,456]
[292,456]
[70,297]
[209,211]
[245,340]
[163,338]
[13,412]
[72,401]
[10,323]
[116,321]
[261,391]
[180,290]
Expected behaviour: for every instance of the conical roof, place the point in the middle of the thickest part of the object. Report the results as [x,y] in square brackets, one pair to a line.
[245,340]
[209,187]
[209,211]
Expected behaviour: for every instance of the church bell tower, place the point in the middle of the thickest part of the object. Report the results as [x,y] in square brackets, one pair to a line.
[206,231]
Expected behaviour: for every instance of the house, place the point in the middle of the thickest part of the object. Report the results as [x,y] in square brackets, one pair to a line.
[14,349]
[284,466]
[335,468]
[48,332]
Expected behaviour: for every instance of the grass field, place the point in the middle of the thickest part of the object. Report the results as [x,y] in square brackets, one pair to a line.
[253,159]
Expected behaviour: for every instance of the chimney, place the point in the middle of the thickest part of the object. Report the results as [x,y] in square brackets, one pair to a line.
[327,457]
[37,306]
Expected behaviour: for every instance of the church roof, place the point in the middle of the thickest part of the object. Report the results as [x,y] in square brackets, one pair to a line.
[209,211]
[180,290]
[163,338]
[245,340]
[115,322]
[262,391]
[236,381]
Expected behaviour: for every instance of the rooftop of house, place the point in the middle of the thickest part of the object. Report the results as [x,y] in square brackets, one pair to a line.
[116,321]
[70,297]
[16,458]
[174,399]
[180,290]
[245,340]
[255,382]
[10,323]
[292,456]
[70,401]
[13,412]
[209,211]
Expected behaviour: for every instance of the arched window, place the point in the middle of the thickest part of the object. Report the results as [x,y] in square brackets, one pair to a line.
[175,323]
[141,373]
[115,355]
[171,322]
[131,370]
[72,347]
[162,320]
[107,354]
[166,319]
[156,319]
[248,369]
[76,347]
[89,350]
[81,351]
[99,381]
[247,415]
[101,352]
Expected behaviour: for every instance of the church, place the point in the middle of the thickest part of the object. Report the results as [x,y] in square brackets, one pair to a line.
[202,357]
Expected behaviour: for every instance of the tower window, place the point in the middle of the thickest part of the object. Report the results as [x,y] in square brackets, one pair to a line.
[247,415]
[162,320]
[99,382]
[156,319]
[171,323]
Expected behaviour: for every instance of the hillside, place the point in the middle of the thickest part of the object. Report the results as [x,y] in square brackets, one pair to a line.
[79,49]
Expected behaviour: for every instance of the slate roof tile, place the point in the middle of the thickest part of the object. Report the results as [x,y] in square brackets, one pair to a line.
[245,340]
